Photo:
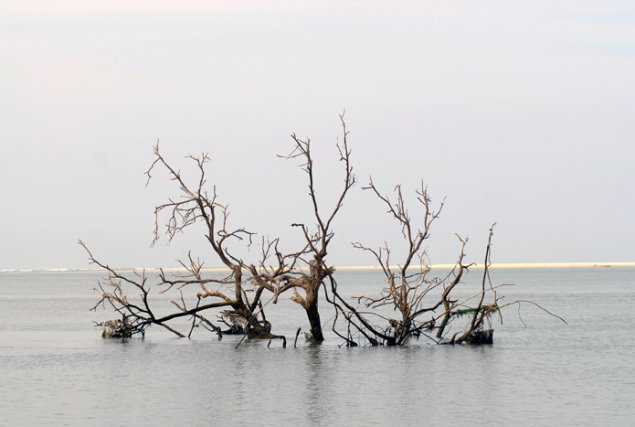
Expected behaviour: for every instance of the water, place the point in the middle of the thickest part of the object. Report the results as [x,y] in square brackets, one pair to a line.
[56,370]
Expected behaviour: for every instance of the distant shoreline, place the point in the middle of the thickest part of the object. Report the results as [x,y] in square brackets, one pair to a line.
[509,265]
[527,265]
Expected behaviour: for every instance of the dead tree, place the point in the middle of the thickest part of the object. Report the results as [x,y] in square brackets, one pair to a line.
[318,238]
[240,293]
[231,293]
[424,306]
[136,311]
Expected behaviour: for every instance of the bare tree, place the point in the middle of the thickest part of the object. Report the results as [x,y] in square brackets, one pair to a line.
[194,206]
[137,312]
[240,293]
[318,238]
[419,301]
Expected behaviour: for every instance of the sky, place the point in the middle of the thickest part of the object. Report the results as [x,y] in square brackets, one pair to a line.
[519,113]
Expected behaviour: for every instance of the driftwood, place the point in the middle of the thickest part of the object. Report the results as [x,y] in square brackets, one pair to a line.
[485,336]
[120,328]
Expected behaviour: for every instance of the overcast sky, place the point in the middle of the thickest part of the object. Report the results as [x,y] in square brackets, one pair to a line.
[520,112]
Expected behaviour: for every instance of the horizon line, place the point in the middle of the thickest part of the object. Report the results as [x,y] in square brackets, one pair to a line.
[511,265]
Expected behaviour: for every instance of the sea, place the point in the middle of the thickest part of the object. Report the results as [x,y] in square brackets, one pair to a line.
[55,369]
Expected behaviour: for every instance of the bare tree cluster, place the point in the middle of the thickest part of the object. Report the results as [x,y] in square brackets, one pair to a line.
[424,306]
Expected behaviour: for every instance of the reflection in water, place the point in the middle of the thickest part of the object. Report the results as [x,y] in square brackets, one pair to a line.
[317,399]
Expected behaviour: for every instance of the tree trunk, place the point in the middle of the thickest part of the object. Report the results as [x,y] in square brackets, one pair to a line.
[313,314]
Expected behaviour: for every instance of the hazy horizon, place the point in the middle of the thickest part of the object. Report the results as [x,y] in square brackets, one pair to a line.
[519,113]
[476,266]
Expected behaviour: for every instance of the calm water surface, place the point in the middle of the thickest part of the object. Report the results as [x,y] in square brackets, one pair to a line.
[56,370]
